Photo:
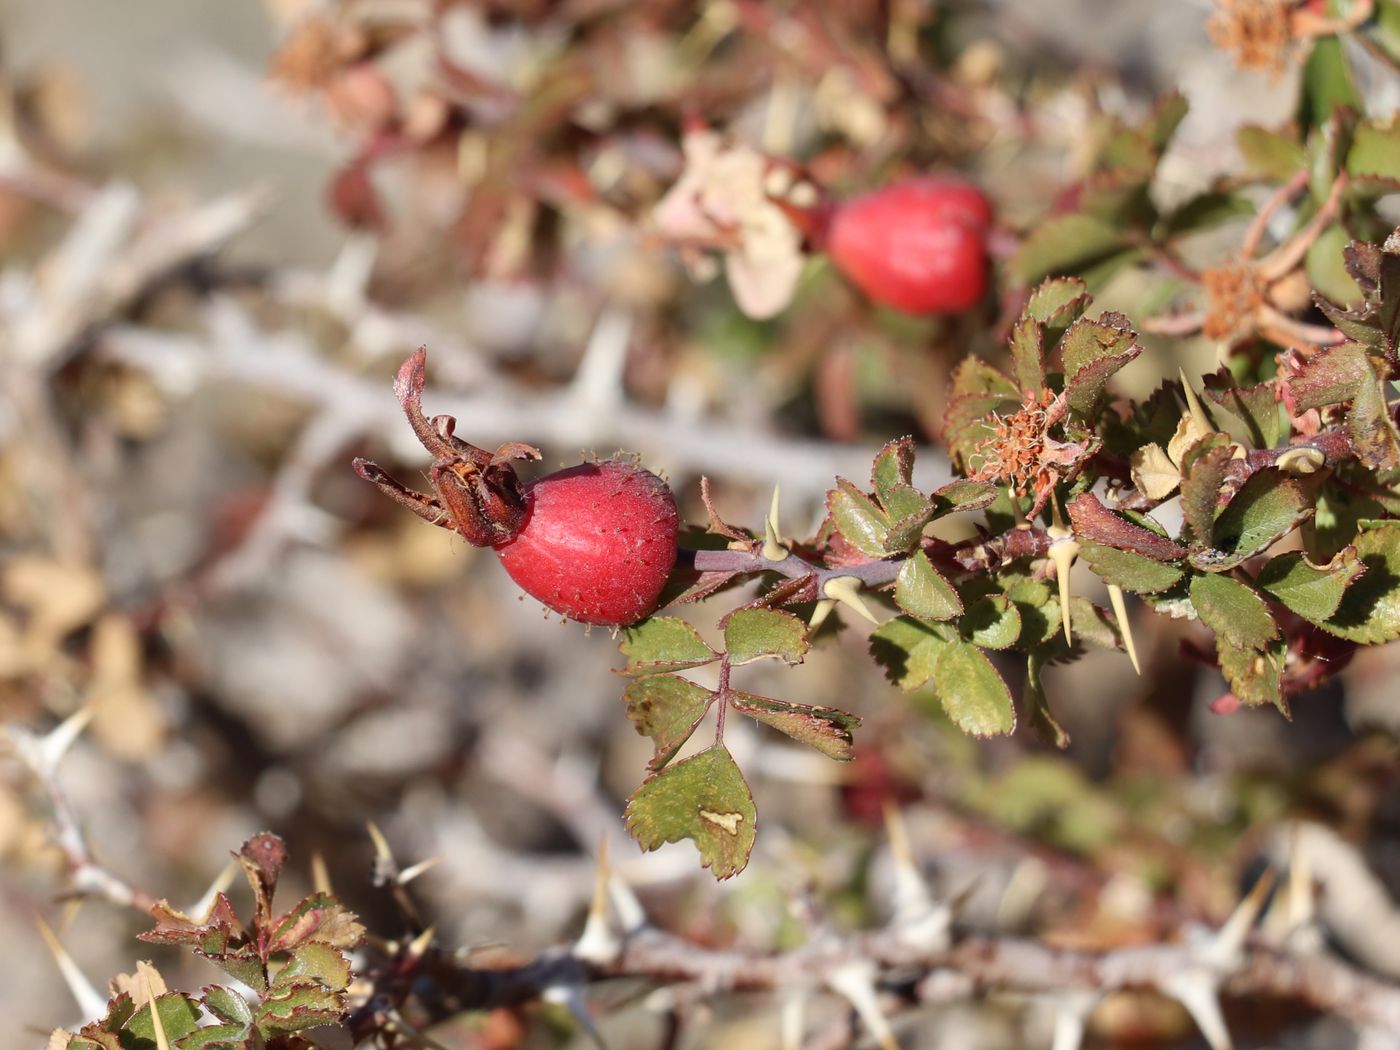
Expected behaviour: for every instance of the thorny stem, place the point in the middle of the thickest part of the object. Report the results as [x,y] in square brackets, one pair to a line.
[1276,200]
[975,554]
[973,965]
[871,573]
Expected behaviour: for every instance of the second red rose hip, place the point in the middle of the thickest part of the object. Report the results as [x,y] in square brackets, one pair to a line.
[918,245]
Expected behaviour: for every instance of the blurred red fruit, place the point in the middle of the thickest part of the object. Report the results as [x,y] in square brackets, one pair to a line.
[917,245]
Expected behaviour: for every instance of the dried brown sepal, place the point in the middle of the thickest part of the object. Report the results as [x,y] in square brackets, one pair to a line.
[476,492]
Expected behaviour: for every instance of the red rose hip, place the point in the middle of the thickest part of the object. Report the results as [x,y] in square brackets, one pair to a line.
[918,245]
[597,543]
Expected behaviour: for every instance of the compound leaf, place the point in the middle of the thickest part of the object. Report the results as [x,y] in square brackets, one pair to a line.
[703,798]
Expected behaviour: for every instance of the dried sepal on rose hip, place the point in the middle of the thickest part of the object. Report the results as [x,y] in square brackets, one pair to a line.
[595,542]
[918,245]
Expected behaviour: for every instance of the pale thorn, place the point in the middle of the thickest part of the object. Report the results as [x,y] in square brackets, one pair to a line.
[381,844]
[631,916]
[1195,989]
[820,612]
[1224,951]
[918,920]
[773,548]
[418,947]
[598,943]
[1020,519]
[42,754]
[412,872]
[792,1020]
[846,590]
[92,1004]
[1125,627]
[70,913]
[1193,404]
[320,874]
[222,881]
[1291,917]
[157,1025]
[1072,1011]
[1302,460]
[855,982]
[1302,905]
[570,996]
[1063,551]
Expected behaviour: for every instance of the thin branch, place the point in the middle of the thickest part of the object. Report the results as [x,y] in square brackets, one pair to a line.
[973,965]
[236,350]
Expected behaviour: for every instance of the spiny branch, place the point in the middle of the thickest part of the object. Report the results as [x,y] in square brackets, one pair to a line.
[973,965]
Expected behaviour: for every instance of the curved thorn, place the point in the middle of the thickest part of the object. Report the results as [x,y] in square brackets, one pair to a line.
[157,1025]
[820,612]
[855,982]
[846,590]
[631,916]
[792,1022]
[418,947]
[222,881]
[1224,948]
[1125,627]
[381,844]
[1196,991]
[912,900]
[773,548]
[320,874]
[1063,551]
[413,871]
[89,1001]
[1193,404]
[598,943]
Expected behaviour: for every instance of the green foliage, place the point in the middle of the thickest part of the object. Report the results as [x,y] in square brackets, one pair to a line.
[968,686]
[828,729]
[923,592]
[1093,351]
[703,798]
[664,643]
[668,709]
[1311,591]
[890,521]
[1369,612]
[294,962]
[1312,433]
[753,634]
[1233,610]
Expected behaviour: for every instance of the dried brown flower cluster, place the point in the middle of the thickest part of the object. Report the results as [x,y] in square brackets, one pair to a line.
[1268,35]
[1022,454]
[1258,33]
[1235,292]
